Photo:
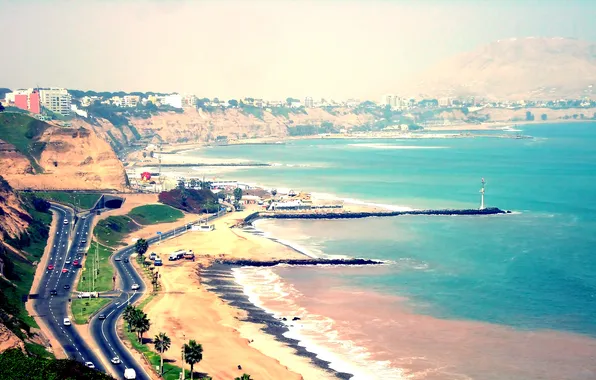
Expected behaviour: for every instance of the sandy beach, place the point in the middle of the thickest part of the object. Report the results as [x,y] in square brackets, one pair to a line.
[186,309]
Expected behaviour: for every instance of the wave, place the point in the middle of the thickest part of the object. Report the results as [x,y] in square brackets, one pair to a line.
[316,333]
[389,146]
[329,196]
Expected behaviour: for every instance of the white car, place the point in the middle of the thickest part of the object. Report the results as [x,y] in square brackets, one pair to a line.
[67,261]
[65,221]
[66,321]
[135,286]
[116,360]
[89,365]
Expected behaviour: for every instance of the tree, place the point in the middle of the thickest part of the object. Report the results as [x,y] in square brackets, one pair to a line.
[140,323]
[181,185]
[162,343]
[141,246]
[127,315]
[193,183]
[238,194]
[243,377]
[144,154]
[233,103]
[529,116]
[274,192]
[543,116]
[193,353]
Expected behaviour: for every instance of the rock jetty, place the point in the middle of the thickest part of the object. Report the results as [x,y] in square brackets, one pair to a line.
[358,215]
[270,263]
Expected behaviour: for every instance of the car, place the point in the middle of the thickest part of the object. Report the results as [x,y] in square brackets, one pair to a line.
[66,321]
[53,292]
[115,360]
[101,316]
[75,263]
[135,286]
[66,286]
[64,270]
[152,256]
[89,365]
[50,267]
[84,241]
[117,259]
[125,260]
[65,221]
[67,261]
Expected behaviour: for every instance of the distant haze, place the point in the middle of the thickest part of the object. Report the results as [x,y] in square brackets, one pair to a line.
[270,49]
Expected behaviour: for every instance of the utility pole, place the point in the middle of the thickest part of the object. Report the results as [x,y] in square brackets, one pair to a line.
[183,344]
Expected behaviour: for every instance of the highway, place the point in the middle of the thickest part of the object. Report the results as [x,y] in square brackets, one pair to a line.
[54,308]
[104,330]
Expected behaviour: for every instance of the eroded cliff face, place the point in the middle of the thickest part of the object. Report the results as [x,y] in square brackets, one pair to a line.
[14,220]
[200,126]
[72,158]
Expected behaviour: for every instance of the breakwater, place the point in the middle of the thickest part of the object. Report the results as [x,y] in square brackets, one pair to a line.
[213,164]
[358,215]
[271,263]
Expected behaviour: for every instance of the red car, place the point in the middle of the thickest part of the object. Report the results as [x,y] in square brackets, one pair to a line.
[64,270]
[50,267]
[75,263]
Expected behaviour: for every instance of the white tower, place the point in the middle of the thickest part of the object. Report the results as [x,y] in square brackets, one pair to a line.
[482,195]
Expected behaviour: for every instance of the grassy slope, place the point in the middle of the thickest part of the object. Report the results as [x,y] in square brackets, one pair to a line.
[152,214]
[22,131]
[111,231]
[84,200]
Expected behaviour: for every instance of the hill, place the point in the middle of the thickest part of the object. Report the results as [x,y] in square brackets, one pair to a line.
[517,68]
[35,154]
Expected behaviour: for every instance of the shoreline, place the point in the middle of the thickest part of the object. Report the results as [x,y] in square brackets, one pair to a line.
[220,280]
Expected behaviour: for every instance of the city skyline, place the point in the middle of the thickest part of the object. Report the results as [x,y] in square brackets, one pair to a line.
[288,49]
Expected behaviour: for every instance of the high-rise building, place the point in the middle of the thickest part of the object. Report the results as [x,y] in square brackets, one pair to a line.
[56,100]
[308,102]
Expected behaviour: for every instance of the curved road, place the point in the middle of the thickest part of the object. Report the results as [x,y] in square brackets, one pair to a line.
[104,331]
[54,308]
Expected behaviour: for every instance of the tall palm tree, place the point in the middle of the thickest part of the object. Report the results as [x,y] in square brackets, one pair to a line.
[140,323]
[193,353]
[127,315]
[162,343]
[243,377]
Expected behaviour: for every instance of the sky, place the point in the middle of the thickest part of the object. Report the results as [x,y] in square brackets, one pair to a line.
[264,49]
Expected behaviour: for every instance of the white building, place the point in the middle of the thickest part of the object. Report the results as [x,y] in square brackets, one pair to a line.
[308,102]
[189,100]
[173,100]
[295,104]
[444,102]
[130,101]
[56,100]
[10,96]
[80,112]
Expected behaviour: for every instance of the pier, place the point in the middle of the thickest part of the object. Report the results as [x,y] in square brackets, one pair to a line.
[358,215]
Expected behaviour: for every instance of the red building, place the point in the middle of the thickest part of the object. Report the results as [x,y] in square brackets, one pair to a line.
[28,102]
[34,104]
[21,101]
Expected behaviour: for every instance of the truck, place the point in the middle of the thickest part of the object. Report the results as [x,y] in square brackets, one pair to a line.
[88,295]
[177,255]
[189,256]
[130,373]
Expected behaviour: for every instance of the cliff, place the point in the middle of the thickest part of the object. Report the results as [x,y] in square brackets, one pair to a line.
[38,155]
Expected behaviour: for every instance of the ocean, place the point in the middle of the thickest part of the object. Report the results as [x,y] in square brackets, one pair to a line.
[493,297]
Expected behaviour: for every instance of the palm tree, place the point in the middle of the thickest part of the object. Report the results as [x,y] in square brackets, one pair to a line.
[140,323]
[141,246]
[193,353]
[127,315]
[162,343]
[243,377]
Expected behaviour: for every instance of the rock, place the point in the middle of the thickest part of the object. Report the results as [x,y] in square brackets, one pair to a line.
[296,319]
[9,340]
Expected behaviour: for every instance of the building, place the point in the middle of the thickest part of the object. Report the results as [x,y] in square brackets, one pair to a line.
[189,101]
[308,102]
[444,102]
[56,100]
[80,112]
[130,101]
[25,99]
[173,100]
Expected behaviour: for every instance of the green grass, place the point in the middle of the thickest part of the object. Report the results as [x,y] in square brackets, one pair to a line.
[23,132]
[152,214]
[82,200]
[104,281]
[38,350]
[111,231]
[84,308]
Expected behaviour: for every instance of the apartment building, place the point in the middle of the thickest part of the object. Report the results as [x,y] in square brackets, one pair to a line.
[56,100]
[309,102]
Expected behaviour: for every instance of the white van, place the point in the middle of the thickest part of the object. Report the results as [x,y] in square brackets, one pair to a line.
[66,321]
[130,374]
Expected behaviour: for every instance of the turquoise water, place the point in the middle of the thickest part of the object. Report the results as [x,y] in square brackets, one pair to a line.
[535,269]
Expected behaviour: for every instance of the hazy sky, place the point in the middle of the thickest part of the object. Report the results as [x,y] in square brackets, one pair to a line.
[272,49]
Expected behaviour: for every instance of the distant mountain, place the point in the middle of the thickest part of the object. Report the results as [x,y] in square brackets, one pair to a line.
[516,68]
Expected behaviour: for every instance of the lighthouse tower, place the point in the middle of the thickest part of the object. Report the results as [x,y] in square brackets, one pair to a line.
[482,195]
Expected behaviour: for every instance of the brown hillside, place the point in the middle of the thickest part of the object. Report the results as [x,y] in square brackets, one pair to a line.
[522,68]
